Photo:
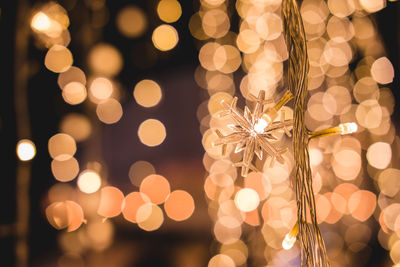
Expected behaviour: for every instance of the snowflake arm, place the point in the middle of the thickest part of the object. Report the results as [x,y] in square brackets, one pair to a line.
[253,131]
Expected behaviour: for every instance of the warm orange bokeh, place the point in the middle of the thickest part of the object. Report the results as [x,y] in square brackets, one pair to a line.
[179,205]
[156,187]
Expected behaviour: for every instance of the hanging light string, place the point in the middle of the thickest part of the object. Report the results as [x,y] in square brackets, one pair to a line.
[313,247]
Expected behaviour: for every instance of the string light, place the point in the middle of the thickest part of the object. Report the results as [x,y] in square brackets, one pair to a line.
[260,40]
[344,128]
[290,238]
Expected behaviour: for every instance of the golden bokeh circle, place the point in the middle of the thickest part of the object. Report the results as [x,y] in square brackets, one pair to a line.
[58,59]
[109,111]
[165,37]
[152,132]
[147,93]
[169,10]
[131,21]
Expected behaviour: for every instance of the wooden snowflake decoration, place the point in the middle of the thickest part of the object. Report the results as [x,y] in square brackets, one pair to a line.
[255,132]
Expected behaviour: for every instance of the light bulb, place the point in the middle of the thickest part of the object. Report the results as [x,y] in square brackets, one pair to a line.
[344,128]
[348,128]
[260,125]
[288,242]
[290,238]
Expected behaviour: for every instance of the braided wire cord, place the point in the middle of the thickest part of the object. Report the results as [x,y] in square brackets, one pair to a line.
[313,247]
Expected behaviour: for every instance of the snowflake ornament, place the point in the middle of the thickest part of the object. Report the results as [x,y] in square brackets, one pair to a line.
[254,132]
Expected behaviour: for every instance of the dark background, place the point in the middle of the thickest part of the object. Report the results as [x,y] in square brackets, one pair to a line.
[178,158]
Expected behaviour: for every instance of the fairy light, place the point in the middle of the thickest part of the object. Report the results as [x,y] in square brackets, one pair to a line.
[218,63]
[260,125]
[348,128]
[272,113]
[288,242]
[290,238]
[344,128]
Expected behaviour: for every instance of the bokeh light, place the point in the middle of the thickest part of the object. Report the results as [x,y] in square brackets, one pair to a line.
[52,20]
[131,21]
[372,5]
[152,132]
[40,22]
[109,111]
[147,93]
[152,221]
[102,53]
[362,204]
[140,170]
[26,150]
[132,202]
[389,182]
[67,214]
[221,260]
[215,102]
[259,183]
[111,199]
[61,146]
[382,70]
[156,187]
[237,251]
[58,59]
[101,88]
[65,170]
[248,41]
[89,181]
[78,126]
[379,155]
[169,10]
[179,205]
[269,26]
[73,74]
[215,23]
[74,93]
[61,192]
[165,37]
[247,199]
[100,234]
[227,230]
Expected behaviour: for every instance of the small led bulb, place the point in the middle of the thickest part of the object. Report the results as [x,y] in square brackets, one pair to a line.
[290,238]
[348,128]
[260,125]
[344,128]
[288,242]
